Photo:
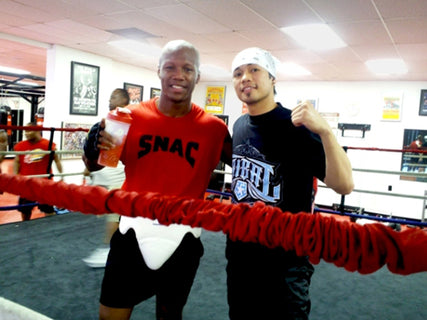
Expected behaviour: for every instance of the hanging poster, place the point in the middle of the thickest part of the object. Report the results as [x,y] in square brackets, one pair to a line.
[154,92]
[392,107]
[135,92]
[423,103]
[215,97]
[84,89]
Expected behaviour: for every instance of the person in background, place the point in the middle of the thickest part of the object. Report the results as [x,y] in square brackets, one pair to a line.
[109,178]
[423,156]
[34,164]
[276,155]
[3,146]
[172,148]
[416,158]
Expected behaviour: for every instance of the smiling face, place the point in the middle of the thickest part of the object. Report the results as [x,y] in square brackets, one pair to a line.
[255,87]
[179,74]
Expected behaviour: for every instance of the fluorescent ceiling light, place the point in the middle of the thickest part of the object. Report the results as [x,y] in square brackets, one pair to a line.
[293,69]
[387,66]
[137,47]
[13,70]
[315,36]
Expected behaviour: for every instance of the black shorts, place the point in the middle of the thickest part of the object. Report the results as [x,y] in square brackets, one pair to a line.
[264,283]
[28,209]
[128,281]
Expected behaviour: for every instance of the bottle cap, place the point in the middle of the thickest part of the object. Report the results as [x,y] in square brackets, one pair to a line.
[120,114]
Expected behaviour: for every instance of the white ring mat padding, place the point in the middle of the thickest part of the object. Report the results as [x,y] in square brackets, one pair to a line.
[12,311]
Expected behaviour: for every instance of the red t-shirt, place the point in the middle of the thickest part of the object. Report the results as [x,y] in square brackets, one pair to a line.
[31,164]
[172,156]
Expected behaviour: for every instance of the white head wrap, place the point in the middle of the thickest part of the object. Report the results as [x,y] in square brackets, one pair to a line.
[255,56]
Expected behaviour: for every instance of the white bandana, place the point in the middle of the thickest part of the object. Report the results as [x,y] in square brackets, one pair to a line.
[255,56]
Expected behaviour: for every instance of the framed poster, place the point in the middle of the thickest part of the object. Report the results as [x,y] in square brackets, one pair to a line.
[154,92]
[74,139]
[423,103]
[214,102]
[413,161]
[84,89]
[392,107]
[135,92]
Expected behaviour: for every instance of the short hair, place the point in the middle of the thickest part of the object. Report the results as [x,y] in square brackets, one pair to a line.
[176,45]
[123,94]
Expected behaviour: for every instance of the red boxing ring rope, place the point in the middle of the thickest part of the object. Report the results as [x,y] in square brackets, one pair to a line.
[39,128]
[423,151]
[354,247]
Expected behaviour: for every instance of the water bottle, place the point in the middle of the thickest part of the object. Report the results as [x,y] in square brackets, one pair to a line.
[117,124]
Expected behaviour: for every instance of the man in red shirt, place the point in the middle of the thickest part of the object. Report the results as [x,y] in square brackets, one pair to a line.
[172,148]
[33,164]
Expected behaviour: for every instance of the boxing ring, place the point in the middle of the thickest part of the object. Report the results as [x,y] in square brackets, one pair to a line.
[9,204]
[354,247]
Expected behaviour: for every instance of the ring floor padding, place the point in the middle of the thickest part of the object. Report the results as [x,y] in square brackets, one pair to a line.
[41,268]
[10,310]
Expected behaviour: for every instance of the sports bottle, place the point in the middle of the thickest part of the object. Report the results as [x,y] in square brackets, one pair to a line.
[117,124]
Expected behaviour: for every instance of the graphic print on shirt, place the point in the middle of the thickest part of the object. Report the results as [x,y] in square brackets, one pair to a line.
[150,143]
[32,158]
[254,178]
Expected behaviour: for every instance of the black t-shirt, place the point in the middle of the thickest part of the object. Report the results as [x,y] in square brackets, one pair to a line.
[275,162]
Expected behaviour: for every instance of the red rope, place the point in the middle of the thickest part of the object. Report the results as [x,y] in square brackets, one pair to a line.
[389,150]
[355,247]
[39,128]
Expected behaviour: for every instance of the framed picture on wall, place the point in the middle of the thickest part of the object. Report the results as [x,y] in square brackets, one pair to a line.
[215,99]
[84,89]
[135,92]
[423,103]
[154,92]
[392,106]
[413,161]
[73,140]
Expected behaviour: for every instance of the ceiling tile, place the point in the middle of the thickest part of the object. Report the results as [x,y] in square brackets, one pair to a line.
[283,13]
[362,33]
[221,28]
[194,21]
[401,8]
[333,11]
[408,30]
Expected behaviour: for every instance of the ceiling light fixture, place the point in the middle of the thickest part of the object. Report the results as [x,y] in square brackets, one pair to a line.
[387,66]
[316,37]
[13,70]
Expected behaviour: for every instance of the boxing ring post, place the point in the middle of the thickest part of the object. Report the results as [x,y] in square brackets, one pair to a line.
[11,206]
[424,207]
[52,152]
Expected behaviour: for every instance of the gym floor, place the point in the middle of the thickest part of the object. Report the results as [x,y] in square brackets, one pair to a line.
[42,269]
